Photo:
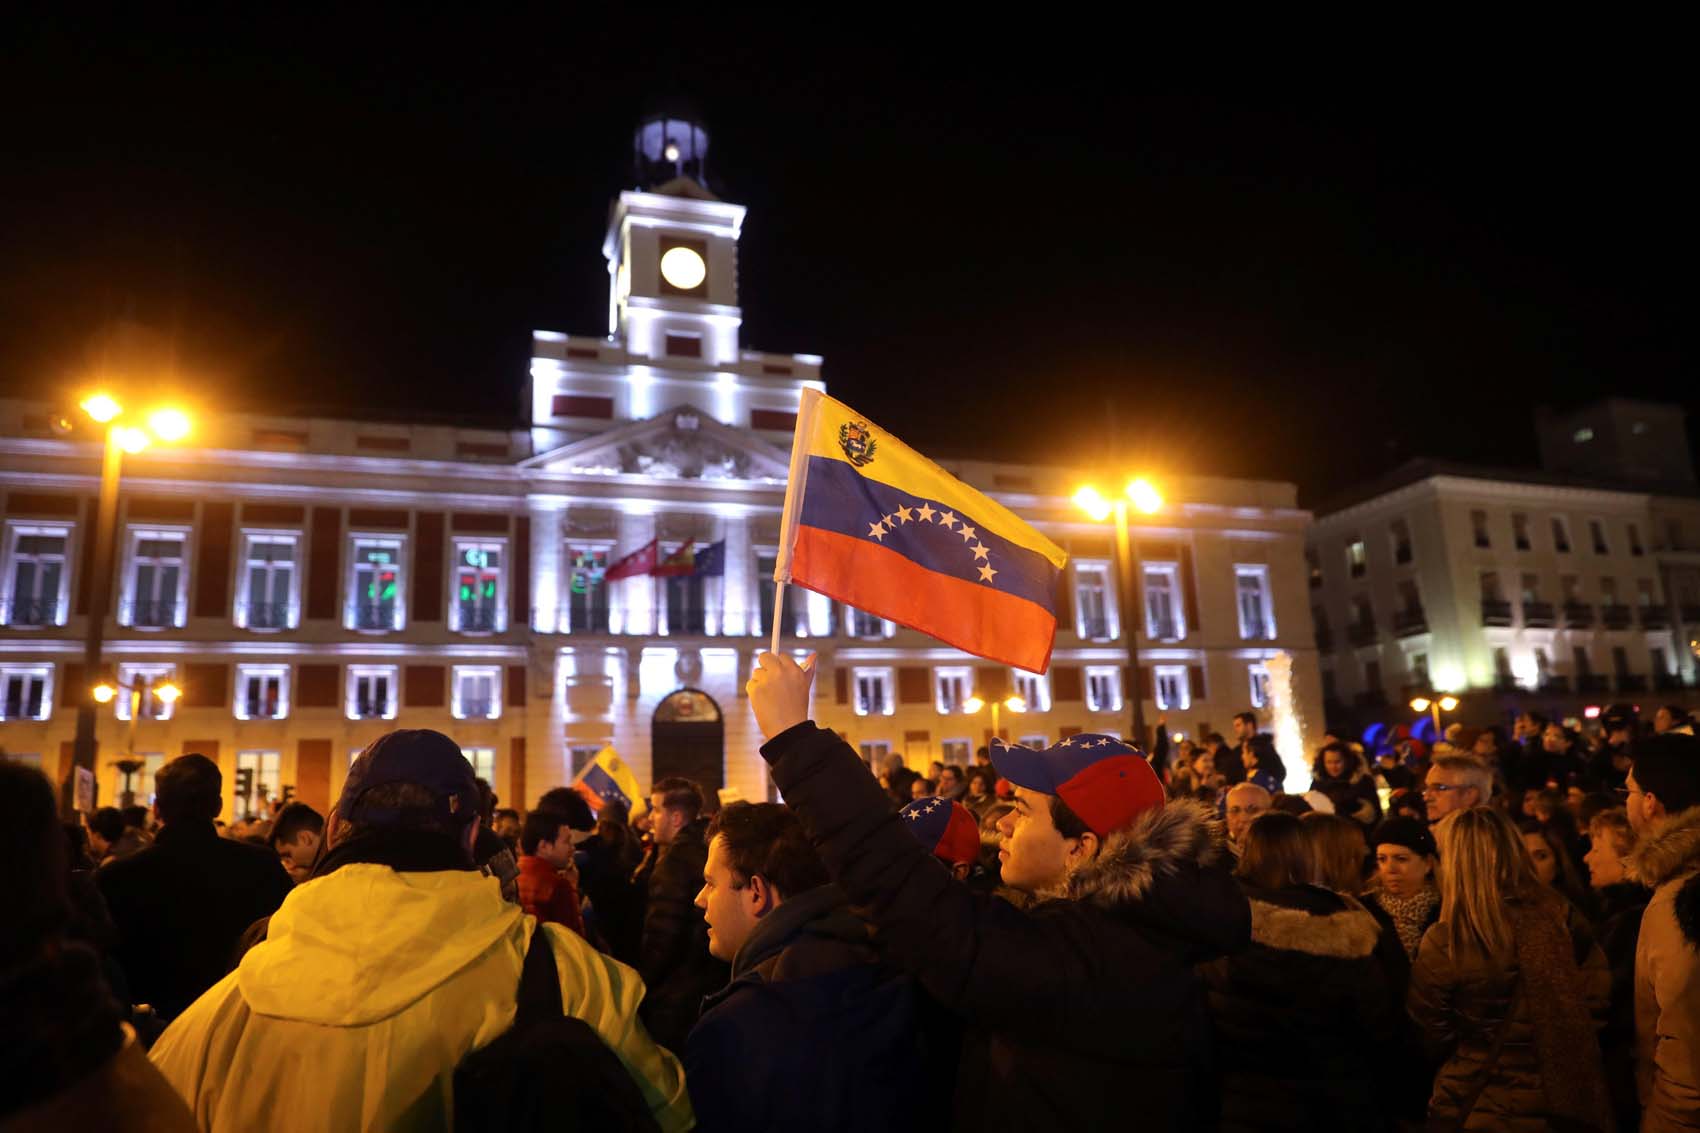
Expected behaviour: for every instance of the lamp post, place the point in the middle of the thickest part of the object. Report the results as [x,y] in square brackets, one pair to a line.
[1436,704]
[106,692]
[169,425]
[1013,702]
[1143,496]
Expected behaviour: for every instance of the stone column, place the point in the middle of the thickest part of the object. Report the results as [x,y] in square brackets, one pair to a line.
[546,581]
[736,612]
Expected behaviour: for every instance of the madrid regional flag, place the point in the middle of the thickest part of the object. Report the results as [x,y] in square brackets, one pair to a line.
[871,522]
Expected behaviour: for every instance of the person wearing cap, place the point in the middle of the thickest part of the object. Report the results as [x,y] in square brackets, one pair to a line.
[1664,809]
[948,829]
[395,960]
[1083,1009]
[1609,766]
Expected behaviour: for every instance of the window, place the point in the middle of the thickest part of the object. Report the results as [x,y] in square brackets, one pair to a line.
[480,597]
[1673,535]
[1092,601]
[864,624]
[587,590]
[1314,562]
[1490,586]
[1034,689]
[1579,658]
[1372,678]
[26,693]
[1543,666]
[1520,530]
[1560,535]
[1570,586]
[1608,591]
[1531,588]
[1620,660]
[1257,618]
[156,582]
[765,563]
[1258,680]
[372,692]
[477,692]
[1401,535]
[1165,618]
[1583,435]
[269,599]
[873,692]
[1172,687]
[262,692]
[950,688]
[684,345]
[955,751]
[375,591]
[1661,663]
[1419,670]
[259,775]
[35,576]
[875,753]
[1479,529]
[1410,598]
[686,604]
[1365,611]
[483,760]
[1597,533]
[1502,664]
[1103,689]
[144,679]
[1635,547]
[1646,594]
[1356,558]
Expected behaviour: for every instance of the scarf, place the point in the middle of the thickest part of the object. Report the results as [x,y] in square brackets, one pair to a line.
[1566,1047]
[1410,915]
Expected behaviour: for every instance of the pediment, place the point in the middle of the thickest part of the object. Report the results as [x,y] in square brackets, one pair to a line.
[682,443]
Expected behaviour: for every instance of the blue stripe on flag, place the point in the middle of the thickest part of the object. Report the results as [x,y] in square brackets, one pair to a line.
[603,784]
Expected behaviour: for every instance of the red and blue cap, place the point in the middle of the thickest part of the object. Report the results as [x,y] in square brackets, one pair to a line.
[1107,782]
[946,828]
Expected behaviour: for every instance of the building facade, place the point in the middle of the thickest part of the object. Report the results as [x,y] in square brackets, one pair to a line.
[311,583]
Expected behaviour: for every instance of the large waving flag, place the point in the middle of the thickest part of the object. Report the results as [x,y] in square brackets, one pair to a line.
[872,522]
[607,779]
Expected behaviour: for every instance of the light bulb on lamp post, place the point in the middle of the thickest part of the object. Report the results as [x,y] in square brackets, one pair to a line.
[1145,497]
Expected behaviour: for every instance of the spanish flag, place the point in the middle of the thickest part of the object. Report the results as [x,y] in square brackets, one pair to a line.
[870,521]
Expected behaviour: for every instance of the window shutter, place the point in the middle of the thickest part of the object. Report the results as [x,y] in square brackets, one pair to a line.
[914,685]
[991,682]
[206,686]
[73,683]
[1147,683]
[85,571]
[324,553]
[212,572]
[1065,682]
[1189,590]
[519,575]
[423,686]
[1065,598]
[1195,677]
[428,567]
[516,686]
[841,685]
[316,686]
[516,771]
[313,773]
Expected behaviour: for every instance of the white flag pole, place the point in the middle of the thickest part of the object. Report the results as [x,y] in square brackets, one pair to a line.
[778,613]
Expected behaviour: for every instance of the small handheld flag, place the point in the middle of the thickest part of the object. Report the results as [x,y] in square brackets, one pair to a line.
[871,522]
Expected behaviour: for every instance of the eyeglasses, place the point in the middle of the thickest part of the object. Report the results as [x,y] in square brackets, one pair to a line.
[1438,787]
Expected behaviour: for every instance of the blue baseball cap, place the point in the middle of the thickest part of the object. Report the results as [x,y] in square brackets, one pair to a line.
[1107,782]
[413,755]
[946,828]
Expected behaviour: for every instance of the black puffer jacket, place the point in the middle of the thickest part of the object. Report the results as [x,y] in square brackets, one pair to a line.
[1300,1017]
[676,967]
[1353,794]
[1084,1011]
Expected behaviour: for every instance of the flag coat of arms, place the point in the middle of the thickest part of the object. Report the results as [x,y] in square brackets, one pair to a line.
[607,779]
[871,522]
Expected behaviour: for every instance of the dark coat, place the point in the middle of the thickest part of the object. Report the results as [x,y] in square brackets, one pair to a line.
[1299,1018]
[1353,794]
[180,907]
[1082,1010]
[676,967]
[811,1033]
[605,877]
[1619,931]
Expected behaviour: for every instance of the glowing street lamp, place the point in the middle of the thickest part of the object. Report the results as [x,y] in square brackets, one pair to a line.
[1014,702]
[1435,705]
[1144,497]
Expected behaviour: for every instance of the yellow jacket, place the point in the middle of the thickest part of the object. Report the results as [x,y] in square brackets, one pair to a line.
[370,988]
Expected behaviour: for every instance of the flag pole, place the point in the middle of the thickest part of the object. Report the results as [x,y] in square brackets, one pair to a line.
[778,612]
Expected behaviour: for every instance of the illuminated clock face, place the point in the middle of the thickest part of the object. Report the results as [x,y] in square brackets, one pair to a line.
[683,268]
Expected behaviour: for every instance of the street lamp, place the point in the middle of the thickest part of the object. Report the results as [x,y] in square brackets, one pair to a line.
[167,424]
[1435,704]
[1014,702]
[107,691]
[1146,499]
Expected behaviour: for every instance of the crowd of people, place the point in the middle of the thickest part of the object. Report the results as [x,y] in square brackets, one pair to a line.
[1496,932]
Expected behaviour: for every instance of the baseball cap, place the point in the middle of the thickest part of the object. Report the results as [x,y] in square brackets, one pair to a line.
[412,755]
[1106,782]
[946,828]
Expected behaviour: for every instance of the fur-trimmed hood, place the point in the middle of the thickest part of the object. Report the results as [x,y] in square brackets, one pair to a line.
[1670,851]
[1347,932]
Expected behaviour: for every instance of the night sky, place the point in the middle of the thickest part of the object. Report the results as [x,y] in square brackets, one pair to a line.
[1312,289]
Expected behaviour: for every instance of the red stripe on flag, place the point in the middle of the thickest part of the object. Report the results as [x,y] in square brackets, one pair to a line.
[971,616]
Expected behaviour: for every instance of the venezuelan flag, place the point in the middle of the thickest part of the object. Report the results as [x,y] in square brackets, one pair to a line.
[607,779]
[870,521]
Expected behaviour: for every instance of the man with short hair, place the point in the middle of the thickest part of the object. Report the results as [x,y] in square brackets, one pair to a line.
[1085,1002]
[181,905]
[399,960]
[1664,809]
[1245,802]
[674,960]
[548,887]
[1455,783]
[811,1032]
[296,835]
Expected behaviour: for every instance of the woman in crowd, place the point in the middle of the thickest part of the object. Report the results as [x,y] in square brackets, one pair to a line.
[1339,771]
[1550,858]
[1503,987]
[981,796]
[1263,764]
[1404,889]
[1299,1016]
[1620,901]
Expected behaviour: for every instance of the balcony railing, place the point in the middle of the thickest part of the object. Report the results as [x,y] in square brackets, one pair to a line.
[1363,633]
[267,615]
[1592,682]
[30,612]
[1690,615]
[478,619]
[374,615]
[370,710]
[1538,614]
[152,613]
[1555,685]
[1092,629]
[1667,682]
[1407,623]
[476,709]
[1654,617]
[1631,682]
[1496,612]
[1615,616]
[1578,615]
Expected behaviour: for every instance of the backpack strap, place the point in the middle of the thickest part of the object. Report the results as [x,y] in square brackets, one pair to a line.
[539,982]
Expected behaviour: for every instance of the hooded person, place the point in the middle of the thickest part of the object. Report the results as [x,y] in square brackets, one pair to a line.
[394,961]
[1341,773]
[1081,1004]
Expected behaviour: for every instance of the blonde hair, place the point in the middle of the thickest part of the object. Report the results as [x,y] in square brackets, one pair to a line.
[1614,824]
[1337,852]
[1483,861]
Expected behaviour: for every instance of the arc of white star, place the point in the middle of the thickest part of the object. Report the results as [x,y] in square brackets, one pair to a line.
[986,573]
[979,551]
[876,531]
[925,513]
[967,533]
[904,514]
[947,519]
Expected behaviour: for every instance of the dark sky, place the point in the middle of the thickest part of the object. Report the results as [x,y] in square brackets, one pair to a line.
[1310,288]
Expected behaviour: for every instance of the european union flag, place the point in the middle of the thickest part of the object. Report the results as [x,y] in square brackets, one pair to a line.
[711,561]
